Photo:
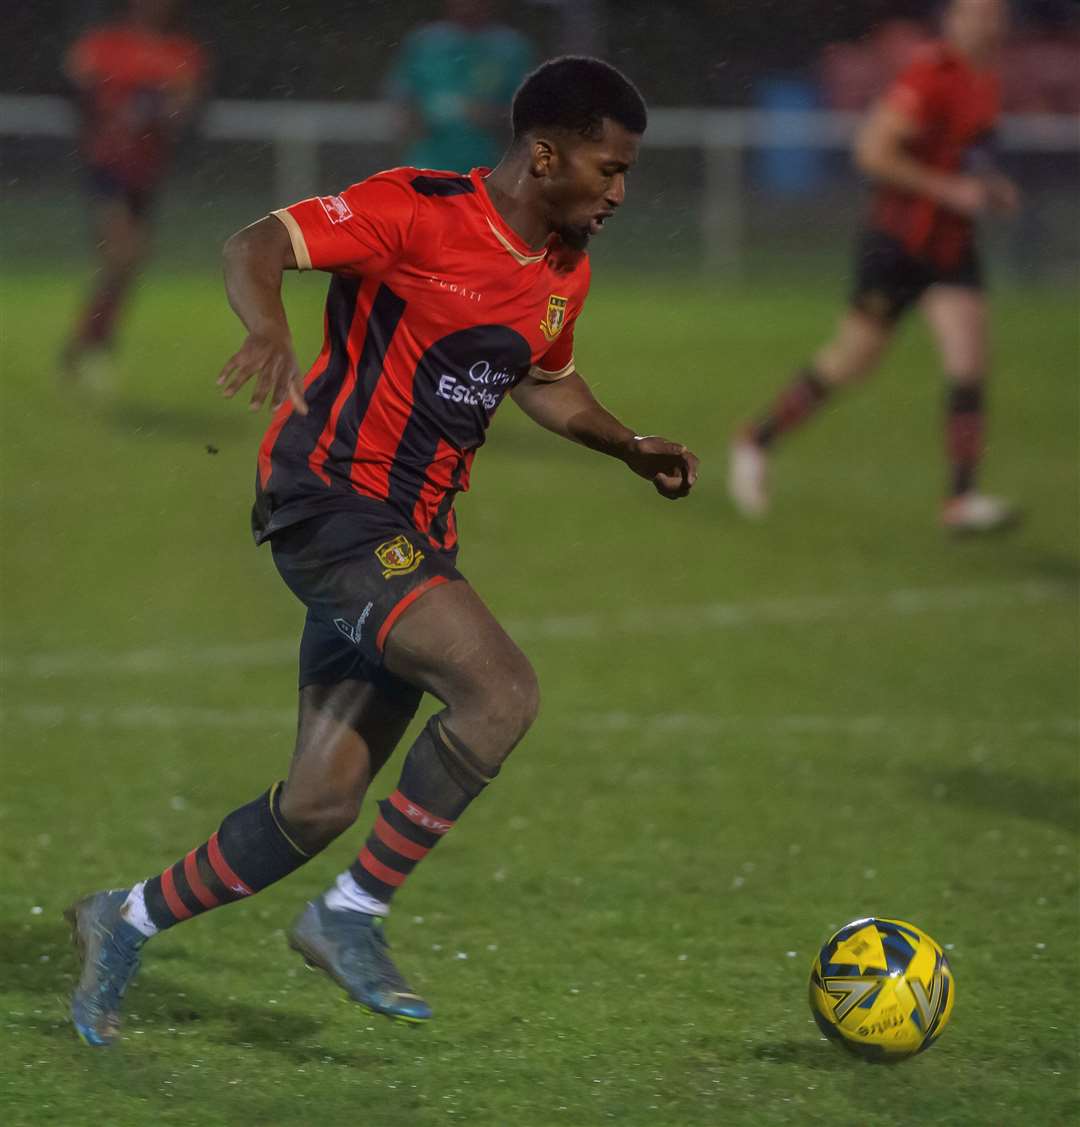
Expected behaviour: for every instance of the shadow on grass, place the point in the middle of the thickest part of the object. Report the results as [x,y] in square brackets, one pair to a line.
[43,967]
[1041,801]
[207,428]
[1058,567]
[260,1026]
[37,956]
[810,1053]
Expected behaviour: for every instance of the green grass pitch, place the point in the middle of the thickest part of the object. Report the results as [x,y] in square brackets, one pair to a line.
[749,736]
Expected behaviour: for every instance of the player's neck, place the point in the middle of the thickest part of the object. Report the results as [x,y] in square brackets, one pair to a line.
[977,56]
[511,191]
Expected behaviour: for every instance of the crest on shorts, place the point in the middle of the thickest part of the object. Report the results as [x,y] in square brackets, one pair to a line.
[552,324]
[398,557]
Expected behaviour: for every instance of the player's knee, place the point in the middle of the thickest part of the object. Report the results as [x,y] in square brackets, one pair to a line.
[124,256]
[834,366]
[513,703]
[846,366]
[497,709]
[856,349]
[317,817]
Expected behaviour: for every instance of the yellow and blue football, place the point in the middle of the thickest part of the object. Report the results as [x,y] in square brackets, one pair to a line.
[882,988]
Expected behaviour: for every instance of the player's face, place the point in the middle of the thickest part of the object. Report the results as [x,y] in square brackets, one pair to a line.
[977,26]
[586,182]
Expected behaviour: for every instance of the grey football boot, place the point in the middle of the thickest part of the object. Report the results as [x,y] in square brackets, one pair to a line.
[352,949]
[108,947]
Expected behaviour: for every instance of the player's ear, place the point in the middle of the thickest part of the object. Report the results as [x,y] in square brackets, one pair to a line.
[541,156]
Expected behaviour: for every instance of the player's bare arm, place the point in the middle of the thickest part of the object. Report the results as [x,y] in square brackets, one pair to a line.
[255,260]
[80,90]
[567,407]
[881,152]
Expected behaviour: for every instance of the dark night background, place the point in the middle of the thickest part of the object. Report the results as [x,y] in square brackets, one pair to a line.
[693,51]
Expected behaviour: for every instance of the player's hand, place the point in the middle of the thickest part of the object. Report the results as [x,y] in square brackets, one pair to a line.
[1002,194]
[967,195]
[269,358]
[668,465]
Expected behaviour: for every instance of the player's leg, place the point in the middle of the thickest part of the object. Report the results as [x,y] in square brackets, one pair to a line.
[852,353]
[887,282]
[957,318]
[121,232]
[448,643]
[346,732]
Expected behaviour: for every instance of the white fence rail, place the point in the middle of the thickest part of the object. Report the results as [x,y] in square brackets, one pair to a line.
[296,129]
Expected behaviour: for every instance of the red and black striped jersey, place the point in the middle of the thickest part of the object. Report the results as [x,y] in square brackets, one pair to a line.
[435,310]
[955,108]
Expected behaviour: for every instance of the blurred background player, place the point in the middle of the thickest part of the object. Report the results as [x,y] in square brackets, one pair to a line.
[137,83]
[924,146]
[454,80]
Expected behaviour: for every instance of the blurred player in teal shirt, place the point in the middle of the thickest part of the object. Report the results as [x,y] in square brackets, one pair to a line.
[456,77]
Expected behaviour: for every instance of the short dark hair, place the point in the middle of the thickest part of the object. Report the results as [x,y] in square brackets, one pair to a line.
[576,93]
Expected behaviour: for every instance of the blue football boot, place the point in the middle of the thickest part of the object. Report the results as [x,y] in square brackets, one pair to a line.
[109,949]
[351,948]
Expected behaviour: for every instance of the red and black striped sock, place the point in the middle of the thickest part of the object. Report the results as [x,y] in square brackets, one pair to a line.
[795,404]
[964,425]
[439,778]
[251,850]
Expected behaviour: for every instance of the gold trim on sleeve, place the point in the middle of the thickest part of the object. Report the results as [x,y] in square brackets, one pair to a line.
[296,237]
[550,377]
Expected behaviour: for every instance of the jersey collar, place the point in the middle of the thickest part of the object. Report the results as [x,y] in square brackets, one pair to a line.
[511,241]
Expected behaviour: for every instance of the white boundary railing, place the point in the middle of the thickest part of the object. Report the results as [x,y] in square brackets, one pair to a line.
[295,129]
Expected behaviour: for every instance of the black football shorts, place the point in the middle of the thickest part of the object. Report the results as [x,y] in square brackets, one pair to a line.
[356,571]
[889,279]
[106,185]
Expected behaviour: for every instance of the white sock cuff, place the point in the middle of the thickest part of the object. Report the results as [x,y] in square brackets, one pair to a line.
[347,896]
[134,911]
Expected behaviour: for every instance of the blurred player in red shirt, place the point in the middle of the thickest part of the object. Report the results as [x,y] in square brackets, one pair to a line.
[925,147]
[138,82]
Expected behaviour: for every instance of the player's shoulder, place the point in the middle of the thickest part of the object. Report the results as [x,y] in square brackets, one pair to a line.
[185,47]
[446,203]
[103,36]
[425,199]
[98,51]
[426,183]
[929,60]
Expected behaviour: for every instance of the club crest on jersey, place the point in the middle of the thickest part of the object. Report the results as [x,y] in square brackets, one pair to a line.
[398,557]
[553,323]
[337,210]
